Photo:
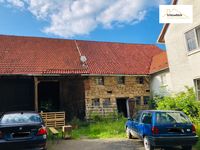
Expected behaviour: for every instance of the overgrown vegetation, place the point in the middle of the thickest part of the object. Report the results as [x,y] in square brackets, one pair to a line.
[100,128]
[184,101]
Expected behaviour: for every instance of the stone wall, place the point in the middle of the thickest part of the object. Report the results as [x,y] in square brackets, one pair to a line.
[112,90]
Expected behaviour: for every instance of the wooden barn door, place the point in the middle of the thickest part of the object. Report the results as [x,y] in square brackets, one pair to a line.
[130,107]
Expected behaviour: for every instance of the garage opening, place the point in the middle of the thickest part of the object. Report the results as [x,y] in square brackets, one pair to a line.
[48,96]
[121,106]
[16,94]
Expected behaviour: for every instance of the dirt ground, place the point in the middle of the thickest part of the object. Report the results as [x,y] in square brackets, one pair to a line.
[100,144]
[97,144]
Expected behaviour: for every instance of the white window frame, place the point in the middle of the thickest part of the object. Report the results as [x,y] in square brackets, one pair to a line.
[196,39]
[196,88]
[163,79]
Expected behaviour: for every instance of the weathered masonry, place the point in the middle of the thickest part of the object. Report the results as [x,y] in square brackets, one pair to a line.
[105,95]
[82,78]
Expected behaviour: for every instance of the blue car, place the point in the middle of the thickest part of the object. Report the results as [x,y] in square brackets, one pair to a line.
[160,128]
[22,130]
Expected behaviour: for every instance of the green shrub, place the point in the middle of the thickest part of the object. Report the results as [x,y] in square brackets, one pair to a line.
[183,101]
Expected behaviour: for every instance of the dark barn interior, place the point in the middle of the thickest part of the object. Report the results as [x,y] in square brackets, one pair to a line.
[16,93]
[121,106]
[53,94]
[48,96]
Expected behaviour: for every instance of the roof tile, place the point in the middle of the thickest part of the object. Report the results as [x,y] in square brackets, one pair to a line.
[159,62]
[32,55]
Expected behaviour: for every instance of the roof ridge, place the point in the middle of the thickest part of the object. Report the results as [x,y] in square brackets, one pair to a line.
[78,40]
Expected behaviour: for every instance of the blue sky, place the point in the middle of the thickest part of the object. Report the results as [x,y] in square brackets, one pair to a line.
[114,21]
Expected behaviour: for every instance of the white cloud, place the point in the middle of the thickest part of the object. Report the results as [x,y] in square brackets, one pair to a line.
[16,3]
[68,18]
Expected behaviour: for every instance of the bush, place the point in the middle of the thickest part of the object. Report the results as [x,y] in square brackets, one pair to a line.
[183,101]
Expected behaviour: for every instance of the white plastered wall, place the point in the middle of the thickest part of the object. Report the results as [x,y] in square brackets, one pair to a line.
[184,66]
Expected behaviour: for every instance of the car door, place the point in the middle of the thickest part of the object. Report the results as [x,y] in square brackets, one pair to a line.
[144,125]
[136,123]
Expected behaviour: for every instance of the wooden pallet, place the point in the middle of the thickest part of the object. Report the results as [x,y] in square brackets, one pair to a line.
[53,119]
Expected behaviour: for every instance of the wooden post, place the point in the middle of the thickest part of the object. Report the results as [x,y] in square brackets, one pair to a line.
[36,93]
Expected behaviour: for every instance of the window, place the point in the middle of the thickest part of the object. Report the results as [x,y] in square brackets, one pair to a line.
[197,87]
[95,102]
[147,118]
[146,100]
[18,118]
[140,80]
[100,80]
[121,80]
[138,100]
[171,117]
[198,35]
[193,38]
[106,102]
[163,80]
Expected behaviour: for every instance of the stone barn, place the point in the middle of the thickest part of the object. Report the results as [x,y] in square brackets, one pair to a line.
[82,78]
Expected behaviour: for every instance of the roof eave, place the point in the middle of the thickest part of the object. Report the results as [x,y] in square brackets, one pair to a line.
[114,74]
[159,70]
[161,39]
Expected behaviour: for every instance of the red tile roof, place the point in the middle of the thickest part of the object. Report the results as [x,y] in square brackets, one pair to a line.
[159,62]
[118,58]
[32,55]
[28,55]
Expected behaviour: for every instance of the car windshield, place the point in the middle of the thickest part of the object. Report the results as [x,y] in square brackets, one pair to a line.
[171,117]
[18,118]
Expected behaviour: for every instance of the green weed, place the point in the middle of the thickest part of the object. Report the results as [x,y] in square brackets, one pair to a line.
[104,128]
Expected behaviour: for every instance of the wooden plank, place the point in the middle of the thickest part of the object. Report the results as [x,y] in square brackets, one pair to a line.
[54,119]
[53,130]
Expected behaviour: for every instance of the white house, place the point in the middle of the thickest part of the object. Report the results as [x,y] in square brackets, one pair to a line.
[160,76]
[183,49]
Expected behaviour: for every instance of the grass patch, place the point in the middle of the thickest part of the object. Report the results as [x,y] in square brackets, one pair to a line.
[107,128]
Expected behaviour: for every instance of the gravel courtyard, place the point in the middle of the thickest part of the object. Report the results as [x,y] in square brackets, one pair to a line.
[97,144]
[100,144]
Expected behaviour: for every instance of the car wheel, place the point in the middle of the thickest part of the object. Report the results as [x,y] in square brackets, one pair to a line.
[128,133]
[147,144]
[188,147]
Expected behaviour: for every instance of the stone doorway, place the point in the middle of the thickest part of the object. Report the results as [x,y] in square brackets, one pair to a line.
[122,106]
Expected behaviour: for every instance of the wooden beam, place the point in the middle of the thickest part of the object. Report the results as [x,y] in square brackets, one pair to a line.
[36,93]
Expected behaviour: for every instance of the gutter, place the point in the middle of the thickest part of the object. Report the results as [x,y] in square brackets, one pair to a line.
[159,70]
[115,75]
